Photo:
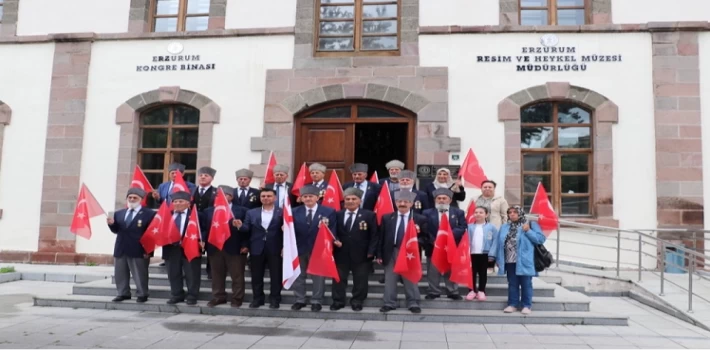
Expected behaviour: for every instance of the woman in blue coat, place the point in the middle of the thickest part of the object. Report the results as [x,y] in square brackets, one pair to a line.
[514,252]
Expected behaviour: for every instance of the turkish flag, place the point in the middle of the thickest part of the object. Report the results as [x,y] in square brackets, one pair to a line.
[469,212]
[291,265]
[374,178]
[409,263]
[444,246]
[86,208]
[547,218]
[461,272]
[140,181]
[269,176]
[334,193]
[191,241]
[384,204]
[161,231]
[179,183]
[300,180]
[471,171]
[322,262]
[220,229]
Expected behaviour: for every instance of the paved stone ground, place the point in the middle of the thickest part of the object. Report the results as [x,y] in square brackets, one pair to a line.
[25,326]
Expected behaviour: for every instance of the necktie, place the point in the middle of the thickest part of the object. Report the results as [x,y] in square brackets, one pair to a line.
[202,192]
[349,222]
[400,231]
[178,221]
[309,217]
[131,214]
[242,196]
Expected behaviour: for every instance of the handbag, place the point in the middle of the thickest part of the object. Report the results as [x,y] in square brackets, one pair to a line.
[543,258]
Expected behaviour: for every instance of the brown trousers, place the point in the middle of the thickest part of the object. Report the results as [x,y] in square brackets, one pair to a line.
[221,263]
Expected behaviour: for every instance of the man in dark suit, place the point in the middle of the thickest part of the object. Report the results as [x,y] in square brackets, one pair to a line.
[233,256]
[392,231]
[165,189]
[264,226]
[203,196]
[394,167]
[357,232]
[370,190]
[130,258]
[282,188]
[306,222]
[406,183]
[317,172]
[245,196]
[176,262]
[457,221]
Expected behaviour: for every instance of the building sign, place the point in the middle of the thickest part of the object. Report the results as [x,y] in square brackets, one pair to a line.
[175,60]
[549,57]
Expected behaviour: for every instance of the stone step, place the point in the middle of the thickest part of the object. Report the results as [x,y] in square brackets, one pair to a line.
[368,313]
[156,268]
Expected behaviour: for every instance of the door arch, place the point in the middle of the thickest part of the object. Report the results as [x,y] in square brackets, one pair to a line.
[341,133]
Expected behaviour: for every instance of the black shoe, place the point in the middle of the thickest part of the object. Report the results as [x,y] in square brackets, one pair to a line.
[357,307]
[415,309]
[141,299]
[120,298]
[255,304]
[162,263]
[386,309]
[174,301]
[316,307]
[454,297]
[431,296]
[382,280]
[297,306]
[215,302]
[274,306]
[336,307]
[191,302]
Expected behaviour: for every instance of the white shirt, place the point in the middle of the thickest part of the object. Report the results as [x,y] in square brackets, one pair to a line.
[135,212]
[347,215]
[266,216]
[183,220]
[477,240]
[319,183]
[281,190]
[202,189]
[406,222]
[315,208]
[362,187]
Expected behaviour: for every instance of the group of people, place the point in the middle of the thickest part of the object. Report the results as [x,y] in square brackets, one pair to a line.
[498,233]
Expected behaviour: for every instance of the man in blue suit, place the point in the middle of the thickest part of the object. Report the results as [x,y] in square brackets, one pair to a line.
[233,256]
[174,255]
[370,190]
[245,196]
[306,221]
[265,228]
[130,258]
[406,183]
[457,221]
[165,190]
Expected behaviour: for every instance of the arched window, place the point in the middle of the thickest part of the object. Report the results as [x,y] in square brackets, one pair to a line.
[168,133]
[556,145]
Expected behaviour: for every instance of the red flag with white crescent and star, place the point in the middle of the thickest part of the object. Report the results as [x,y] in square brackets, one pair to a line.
[220,228]
[300,180]
[471,172]
[179,183]
[444,246]
[409,263]
[191,240]
[384,205]
[469,212]
[333,193]
[86,208]
[269,176]
[141,181]
[374,178]
[547,218]
[461,272]
[161,231]
[322,262]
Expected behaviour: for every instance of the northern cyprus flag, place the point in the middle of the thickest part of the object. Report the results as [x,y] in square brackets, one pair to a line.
[291,265]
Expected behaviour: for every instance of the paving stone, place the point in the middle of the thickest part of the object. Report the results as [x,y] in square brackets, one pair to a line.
[278,340]
[422,345]
[361,344]
[519,346]
[559,339]
[605,340]
[315,343]
[175,344]
[468,337]
[457,345]
[424,336]
[379,335]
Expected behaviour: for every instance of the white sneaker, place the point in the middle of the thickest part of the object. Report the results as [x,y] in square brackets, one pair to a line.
[526,311]
[509,310]
[471,295]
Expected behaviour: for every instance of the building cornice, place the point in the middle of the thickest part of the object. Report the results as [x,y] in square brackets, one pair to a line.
[649,27]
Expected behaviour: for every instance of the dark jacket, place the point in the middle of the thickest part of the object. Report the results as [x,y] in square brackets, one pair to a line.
[373,191]
[236,241]
[457,220]
[306,235]
[164,191]
[128,235]
[460,196]
[261,241]
[421,202]
[388,228]
[323,186]
[389,183]
[251,200]
[360,240]
[291,197]
[205,201]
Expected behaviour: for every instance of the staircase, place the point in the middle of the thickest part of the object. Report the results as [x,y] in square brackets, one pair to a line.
[552,304]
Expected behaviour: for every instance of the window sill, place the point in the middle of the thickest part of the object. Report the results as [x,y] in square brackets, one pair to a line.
[355,53]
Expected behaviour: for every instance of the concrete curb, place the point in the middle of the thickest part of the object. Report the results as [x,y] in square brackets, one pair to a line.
[58,277]
[10,277]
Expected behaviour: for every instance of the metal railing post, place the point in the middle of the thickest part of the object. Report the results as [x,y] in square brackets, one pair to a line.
[695,247]
[618,252]
[690,286]
[663,265]
[557,261]
[640,255]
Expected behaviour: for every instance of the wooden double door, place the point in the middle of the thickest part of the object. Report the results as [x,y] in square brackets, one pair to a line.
[340,134]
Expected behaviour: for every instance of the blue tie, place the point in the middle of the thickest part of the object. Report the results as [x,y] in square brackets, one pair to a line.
[131,214]
[178,221]
[400,231]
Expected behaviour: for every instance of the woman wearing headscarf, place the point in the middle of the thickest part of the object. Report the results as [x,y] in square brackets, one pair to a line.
[444,180]
[514,251]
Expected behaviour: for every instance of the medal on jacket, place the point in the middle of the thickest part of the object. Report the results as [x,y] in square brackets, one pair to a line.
[322,193]
[417,205]
[323,221]
[252,199]
[139,223]
[363,225]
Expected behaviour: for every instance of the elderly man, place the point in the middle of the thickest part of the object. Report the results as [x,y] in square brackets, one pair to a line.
[406,183]
[175,259]
[457,221]
[245,196]
[370,190]
[282,187]
[130,258]
[306,222]
[392,231]
[232,258]
[204,195]
[357,232]
[394,167]
[165,190]
[317,172]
